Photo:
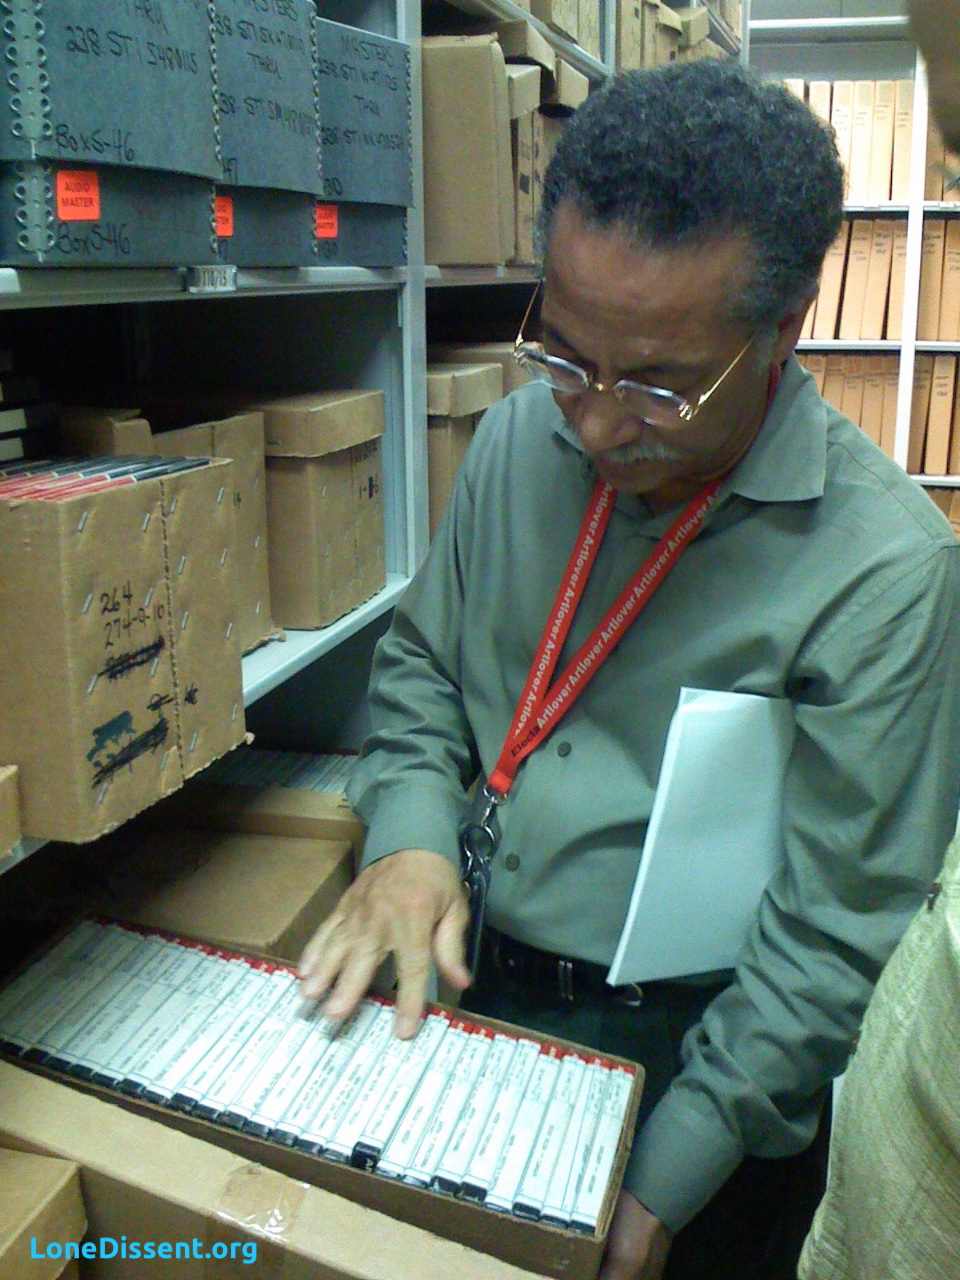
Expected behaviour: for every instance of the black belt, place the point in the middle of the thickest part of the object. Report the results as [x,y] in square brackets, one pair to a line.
[571,978]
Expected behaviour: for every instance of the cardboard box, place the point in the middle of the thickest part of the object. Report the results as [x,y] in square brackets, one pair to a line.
[937,445]
[143,1179]
[468,191]
[878,280]
[268,94]
[97,87]
[522,42]
[265,228]
[695,25]
[120,670]
[447,442]
[501,353]
[266,811]
[364,115]
[589,24]
[325,527]
[521,146]
[669,32]
[238,437]
[572,86]
[561,15]
[454,390]
[259,893]
[855,279]
[59,215]
[557,1252]
[40,1204]
[9,808]
[523,88]
[360,235]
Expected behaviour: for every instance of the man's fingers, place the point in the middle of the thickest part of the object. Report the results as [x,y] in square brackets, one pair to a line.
[321,959]
[449,942]
[355,975]
[413,961]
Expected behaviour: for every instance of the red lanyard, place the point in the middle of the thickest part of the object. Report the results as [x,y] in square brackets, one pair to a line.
[542,705]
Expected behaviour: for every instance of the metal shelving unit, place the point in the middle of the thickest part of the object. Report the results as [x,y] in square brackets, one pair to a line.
[506,11]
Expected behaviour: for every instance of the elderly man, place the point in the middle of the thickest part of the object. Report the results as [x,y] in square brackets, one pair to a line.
[685,218]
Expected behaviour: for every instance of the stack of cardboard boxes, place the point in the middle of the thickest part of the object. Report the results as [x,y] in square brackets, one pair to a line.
[509,92]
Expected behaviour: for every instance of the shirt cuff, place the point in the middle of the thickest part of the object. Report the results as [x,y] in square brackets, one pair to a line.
[680,1160]
[423,817]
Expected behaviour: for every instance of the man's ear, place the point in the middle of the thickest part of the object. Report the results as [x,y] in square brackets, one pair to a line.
[788,330]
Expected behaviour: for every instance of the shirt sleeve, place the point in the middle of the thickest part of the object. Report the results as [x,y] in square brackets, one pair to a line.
[409,785]
[870,804]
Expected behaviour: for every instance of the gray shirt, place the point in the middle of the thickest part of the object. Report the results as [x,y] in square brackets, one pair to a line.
[823,575]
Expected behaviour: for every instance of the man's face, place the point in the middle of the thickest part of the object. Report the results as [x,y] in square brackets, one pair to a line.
[659,317]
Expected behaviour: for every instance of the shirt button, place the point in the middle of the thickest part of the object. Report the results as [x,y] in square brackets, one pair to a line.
[563,748]
[511,862]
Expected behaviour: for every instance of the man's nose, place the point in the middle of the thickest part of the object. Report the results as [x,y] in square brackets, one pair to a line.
[602,422]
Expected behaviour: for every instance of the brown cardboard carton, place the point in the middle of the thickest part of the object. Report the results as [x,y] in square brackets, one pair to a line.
[694,23]
[9,808]
[933,174]
[123,679]
[523,88]
[238,437]
[522,42]
[851,404]
[561,15]
[325,530]
[669,31]
[143,1177]
[245,892]
[40,1205]
[447,442]
[468,190]
[501,353]
[589,26]
[454,390]
[630,33]
[572,86]
[521,146]
[833,381]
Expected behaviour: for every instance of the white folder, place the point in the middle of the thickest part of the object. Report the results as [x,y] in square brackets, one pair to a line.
[714,838]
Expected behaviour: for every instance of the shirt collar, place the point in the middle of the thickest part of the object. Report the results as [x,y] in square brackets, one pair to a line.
[787,461]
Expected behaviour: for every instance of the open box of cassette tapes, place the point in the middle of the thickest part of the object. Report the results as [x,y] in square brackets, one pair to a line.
[487,1134]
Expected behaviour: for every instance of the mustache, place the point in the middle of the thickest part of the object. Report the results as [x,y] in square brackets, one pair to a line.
[628,455]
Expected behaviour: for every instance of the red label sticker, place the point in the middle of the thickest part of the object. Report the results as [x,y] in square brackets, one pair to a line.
[326,221]
[223,212]
[78,195]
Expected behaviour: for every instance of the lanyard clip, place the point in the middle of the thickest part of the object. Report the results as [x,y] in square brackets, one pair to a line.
[479,840]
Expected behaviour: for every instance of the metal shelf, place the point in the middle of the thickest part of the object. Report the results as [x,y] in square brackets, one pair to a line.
[877,210]
[278,660]
[505,11]
[64,287]
[436,277]
[20,851]
[854,345]
[722,34]
[938,482]
[826,30]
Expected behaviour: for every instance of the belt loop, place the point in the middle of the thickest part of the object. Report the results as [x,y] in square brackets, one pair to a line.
[565,979]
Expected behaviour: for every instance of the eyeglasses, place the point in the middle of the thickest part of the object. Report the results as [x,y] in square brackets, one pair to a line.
[654,405]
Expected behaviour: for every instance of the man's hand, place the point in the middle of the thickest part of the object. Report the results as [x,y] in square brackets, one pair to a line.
[637,1245]
[410,903]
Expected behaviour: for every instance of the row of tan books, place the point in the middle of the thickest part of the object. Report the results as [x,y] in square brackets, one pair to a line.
[863,388]
[934,444]
[941,167]
[862,283]
[873,123]
[938,307]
